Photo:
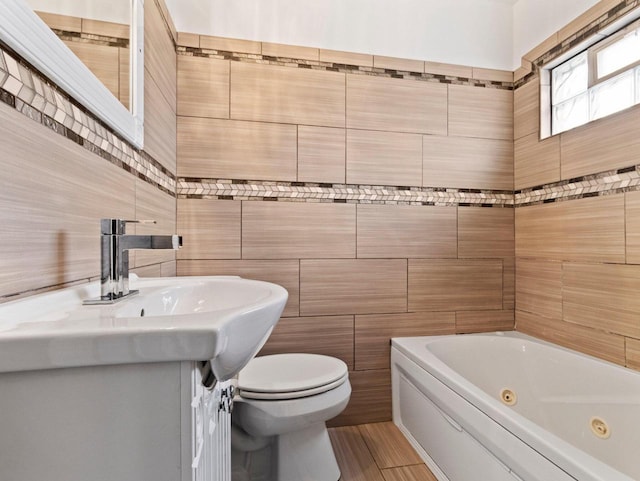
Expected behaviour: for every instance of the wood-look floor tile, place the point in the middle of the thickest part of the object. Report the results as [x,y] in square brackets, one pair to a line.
[388,445]
[419,472]
[353,456]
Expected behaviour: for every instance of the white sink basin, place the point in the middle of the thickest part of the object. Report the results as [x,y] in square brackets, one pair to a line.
[222,319]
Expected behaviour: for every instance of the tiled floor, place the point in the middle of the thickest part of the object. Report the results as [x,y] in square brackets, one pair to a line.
[377,452]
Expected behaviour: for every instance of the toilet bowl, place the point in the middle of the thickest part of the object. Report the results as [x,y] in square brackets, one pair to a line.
[281,405]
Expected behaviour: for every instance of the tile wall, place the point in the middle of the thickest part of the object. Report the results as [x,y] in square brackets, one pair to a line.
[378,191]
[577,216]
[63,170]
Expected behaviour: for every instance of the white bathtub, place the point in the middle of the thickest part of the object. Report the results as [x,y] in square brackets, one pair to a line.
[447,401]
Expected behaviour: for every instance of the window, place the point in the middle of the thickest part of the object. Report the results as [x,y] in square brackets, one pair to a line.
[597,82]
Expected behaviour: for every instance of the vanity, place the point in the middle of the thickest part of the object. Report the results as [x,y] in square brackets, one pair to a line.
[117,391]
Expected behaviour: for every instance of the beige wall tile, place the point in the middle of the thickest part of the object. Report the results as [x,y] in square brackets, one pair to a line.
[298,230]
[61,22]
[329,335]
[370,401]
[447,69]
[480,112]
[166,16]
[632,224]
[526,109]
[520,73]
[159,53]
[602,296]
[105,29]
[589,229]
[467,163]
[102,60]
[232,149]
[486,232]
[346,58]
[282,94]
[397,105]
[388,445]
[159,125]
[539,287]
[387,231]
[484,321]
[536,162]
[541,48]
[609,143]
[210,229]
[124,58]
[508,283]
[633,354]
[374,332]
[153,270]
[168,269]
[282,272]
[418,472]
[596,11]
[55,191]
[321,154]
[492,74]
[454,285]
[362,286]
[203,87]
[609,347]
[230,44]
[188,40]
[384,158]
[394,63]
[353,456]
[290,51]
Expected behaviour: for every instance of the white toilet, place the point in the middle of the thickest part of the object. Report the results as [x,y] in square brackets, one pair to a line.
[281,405]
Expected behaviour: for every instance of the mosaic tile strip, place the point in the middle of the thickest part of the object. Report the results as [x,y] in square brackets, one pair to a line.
[227,189]
[343,68]
[31,94]
[604,183]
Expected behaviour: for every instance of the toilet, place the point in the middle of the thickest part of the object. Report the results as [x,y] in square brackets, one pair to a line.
[280,408]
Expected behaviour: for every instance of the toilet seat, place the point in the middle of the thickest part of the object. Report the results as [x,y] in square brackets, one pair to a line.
[290,376]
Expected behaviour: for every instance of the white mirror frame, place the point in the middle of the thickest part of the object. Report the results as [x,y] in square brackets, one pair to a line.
[23,31]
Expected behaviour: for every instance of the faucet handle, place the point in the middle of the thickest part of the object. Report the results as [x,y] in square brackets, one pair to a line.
[147,221]
[116,226]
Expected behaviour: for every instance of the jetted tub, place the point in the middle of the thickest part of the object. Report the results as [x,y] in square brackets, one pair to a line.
[506,406]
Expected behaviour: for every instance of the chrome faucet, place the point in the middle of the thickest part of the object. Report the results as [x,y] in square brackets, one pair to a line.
[114,256]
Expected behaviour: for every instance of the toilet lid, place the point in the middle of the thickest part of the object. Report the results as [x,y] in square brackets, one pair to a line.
[283,376]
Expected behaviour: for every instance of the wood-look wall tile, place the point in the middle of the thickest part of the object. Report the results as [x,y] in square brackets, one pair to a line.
[508,283]
[153,204]
[484,321]
[374,332]
[159,125]
[105,29]
[395,63]
[203,87]
[605,144]
[633,354]
[166,16]
[282,94]
[388,445]
[362,286]
[632,224]
[298,230]
[186,39]
[609,347]
[591,15]
[589,229]
[418,472]
[387,231]
[290,51]
[470,163]
[56,191]
[521,72]
[449,70]
[484,232]
[539,287]
[353,456]
[124,59]
[346,58]
[492,74]
[370,399]
[210,229]
[526,109]
[542,48]
[455,285]
[159,54]
[602,296]
[61,22]
[321,154]
[329,335]
[230,44]
[168,269]
[102,60]
[283,272]
[231,149]
[398,105]
[153,270]
[484,113]
[384,158]
[536,162]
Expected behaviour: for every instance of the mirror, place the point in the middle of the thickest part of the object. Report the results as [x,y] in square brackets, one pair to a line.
[100,33]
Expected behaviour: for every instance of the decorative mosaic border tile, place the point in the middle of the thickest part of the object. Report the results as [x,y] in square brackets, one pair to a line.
[603,183]
[226,189]
[31,94]
[343,68]
[91,38]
